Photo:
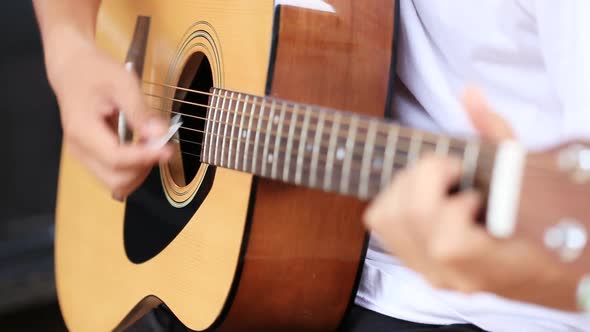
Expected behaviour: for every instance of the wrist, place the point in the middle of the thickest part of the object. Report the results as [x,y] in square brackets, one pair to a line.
[63,45]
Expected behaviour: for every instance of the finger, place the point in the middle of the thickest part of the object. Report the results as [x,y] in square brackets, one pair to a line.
[138,156]
[488,123]
[98,140]
[448,242]
[461,209]
[120,182]
[381,207]
[386,224]
[129,183]
[432,178]
[115,165]
[130,100]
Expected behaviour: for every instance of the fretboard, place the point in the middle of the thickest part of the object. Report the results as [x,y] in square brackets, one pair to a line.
[320,148]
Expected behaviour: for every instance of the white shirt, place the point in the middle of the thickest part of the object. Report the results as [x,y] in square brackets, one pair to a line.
[532,60]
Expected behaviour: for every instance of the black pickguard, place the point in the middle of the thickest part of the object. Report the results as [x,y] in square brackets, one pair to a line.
[151,223]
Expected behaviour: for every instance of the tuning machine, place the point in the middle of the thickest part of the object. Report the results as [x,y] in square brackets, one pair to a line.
[568,239]
[575,159]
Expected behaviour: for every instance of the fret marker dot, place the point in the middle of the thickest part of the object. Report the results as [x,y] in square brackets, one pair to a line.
[340,153]
[244,133]
[270,158]
[276,119]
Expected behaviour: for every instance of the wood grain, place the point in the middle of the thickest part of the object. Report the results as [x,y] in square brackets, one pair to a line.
[304,246]
[97,284]
[548,196]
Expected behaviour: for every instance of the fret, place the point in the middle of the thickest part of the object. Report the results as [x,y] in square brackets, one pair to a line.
[288,152]
[221,111]
[241,132]
[247,144]
[350,144]
[226,124]
[332,151]
[300,154]
[205,147]
[278,141]
[257,135]
[316,149]
[233,129]
[213,127]
[268,158]
[443,143]
[390,153]
[470,159]
[415,145]
[367,157]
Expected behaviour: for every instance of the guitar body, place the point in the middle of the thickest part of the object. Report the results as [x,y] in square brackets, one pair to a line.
[224,250]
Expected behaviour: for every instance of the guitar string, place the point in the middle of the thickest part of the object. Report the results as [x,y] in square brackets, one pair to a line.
[356,163]
[401,130]
[281,108]
[375,174]
[399,134]
[399,148]
[356,169]
[271,133]
[291,108]
[239,100]
[380,140]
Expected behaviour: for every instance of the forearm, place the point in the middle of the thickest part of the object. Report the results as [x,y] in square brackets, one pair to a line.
[66,26]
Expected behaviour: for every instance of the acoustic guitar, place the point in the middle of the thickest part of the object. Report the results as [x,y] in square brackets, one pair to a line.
[255,225]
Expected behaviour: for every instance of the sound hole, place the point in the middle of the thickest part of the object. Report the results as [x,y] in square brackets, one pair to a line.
[198,74]
[151,221]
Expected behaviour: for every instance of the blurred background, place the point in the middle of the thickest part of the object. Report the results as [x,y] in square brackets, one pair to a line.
[31,139]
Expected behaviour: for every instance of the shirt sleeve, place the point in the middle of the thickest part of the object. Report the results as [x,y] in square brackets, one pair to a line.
[564,35]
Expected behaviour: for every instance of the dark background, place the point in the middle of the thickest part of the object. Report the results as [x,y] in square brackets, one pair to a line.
[30,137]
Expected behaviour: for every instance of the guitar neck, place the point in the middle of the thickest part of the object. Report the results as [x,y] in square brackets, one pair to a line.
[321,148]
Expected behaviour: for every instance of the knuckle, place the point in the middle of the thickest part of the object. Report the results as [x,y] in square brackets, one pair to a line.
[118,186]
[116,162]
[373,217]
[112,183]
[369,217]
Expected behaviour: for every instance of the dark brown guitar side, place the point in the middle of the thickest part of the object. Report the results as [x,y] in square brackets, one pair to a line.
[305,249]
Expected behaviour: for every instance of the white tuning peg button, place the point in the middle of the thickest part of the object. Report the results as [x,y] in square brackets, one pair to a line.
[575,159]
[568,239]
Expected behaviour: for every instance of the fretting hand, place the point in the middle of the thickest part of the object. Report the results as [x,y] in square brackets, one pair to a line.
[436,233]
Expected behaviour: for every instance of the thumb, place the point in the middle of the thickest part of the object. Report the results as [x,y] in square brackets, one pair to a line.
[489,124]
[131,101]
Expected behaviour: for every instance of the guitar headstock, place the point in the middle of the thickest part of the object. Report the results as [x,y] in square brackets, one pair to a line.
[553,204]
[575,160]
